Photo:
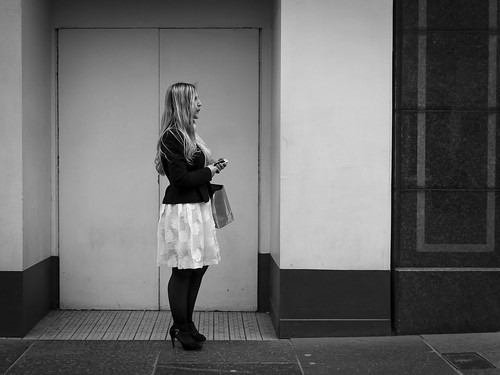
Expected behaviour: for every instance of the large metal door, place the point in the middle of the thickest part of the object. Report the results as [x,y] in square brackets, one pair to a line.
[111,85]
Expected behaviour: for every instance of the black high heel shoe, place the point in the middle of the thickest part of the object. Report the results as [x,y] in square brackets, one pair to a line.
[186,340]
[196,335]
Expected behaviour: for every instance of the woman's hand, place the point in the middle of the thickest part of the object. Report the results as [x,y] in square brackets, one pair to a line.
[218,166]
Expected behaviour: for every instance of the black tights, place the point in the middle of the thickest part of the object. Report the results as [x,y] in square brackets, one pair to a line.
[183,289]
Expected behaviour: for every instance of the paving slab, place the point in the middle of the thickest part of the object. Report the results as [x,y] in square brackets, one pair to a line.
[10,351]
[481,372]
[230,368]
[407,355]
[465,342]
[222,352]
[88,357]
[492,357]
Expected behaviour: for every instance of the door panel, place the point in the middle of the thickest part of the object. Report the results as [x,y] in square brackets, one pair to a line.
[224,64]
[108,192]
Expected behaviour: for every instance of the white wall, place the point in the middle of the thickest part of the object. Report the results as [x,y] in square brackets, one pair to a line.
[331,117]
[37,131]
[11,234]
[336,77]
[25,133]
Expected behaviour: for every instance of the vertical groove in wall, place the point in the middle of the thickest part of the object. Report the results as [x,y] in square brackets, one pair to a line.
[158,108]
[56,151]
[492,120]
[421,120]
[493,8]
[259,145]
[396,157]
[421,95]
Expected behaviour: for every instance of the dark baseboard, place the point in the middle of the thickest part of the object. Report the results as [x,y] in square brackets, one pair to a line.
[11,302]
[27,296]
[274,294]
[54,283]
[322,303]
[263,282]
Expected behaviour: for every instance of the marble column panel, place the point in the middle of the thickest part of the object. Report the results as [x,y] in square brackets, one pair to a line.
[456,70]
[457,230]
[447,14]
[457,150]
[446,301]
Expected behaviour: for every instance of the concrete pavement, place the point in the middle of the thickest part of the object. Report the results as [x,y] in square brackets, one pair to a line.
[476,353]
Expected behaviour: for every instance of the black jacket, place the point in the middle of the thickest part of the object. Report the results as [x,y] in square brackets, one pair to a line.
[189,183]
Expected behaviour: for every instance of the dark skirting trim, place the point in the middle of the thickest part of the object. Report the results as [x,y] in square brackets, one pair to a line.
[263,281]
[54,283]
[274,293]
[11,304]
[321,303]
[27,296]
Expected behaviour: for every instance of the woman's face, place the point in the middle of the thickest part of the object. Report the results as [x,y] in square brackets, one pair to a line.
[196,107]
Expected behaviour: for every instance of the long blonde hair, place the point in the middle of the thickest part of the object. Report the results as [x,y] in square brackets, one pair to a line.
[177,118]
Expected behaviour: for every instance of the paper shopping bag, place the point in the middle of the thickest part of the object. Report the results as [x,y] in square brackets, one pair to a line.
[221,209]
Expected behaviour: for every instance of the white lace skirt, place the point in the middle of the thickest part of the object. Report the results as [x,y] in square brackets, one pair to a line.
[186,236]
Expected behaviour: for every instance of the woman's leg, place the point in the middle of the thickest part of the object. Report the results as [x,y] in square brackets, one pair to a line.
[194,287]
[178,291]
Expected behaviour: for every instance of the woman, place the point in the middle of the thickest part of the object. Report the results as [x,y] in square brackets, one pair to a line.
[186,229]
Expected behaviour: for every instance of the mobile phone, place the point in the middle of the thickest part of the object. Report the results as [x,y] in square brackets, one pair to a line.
[221,161]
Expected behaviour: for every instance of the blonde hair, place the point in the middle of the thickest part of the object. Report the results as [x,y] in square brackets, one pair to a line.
[177,118]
